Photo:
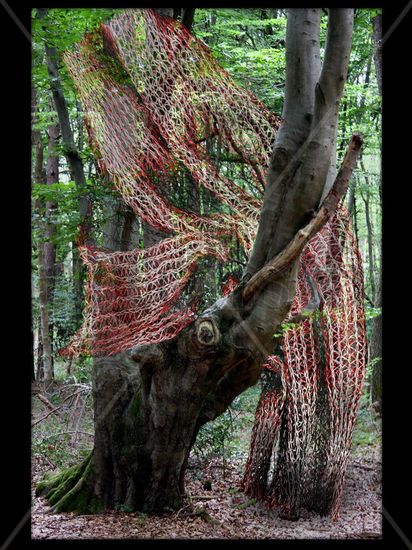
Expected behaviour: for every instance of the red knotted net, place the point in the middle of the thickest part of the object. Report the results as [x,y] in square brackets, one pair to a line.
[153,97]
[321,371]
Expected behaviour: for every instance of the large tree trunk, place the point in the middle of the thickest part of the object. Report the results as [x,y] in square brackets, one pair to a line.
[151,401]
[120,230]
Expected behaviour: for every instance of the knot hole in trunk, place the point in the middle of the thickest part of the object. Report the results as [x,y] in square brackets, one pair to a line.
[207,332]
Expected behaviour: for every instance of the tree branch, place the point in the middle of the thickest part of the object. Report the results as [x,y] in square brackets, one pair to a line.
[311,306]
[280,262]
[50,406]
[302,73]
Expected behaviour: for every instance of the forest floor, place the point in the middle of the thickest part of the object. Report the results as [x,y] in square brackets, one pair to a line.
[225,513]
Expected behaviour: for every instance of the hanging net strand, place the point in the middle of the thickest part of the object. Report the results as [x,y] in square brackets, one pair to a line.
[266,427]
[323,358]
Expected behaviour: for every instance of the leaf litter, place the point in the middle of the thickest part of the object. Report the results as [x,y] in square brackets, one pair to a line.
[214,508]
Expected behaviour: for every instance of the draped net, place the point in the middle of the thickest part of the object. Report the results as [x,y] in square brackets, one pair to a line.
[153,98]
[305,418]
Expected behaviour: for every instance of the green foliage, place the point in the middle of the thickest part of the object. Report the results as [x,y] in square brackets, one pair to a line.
[228,435]
[63,314]
[213,437]
[370,314]
[141,518]
[62,437]
[243,505]
[84,369]
[368,426]
[123,508]
[62,28]
[249,44]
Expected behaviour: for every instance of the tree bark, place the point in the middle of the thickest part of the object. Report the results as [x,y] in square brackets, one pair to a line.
[52,176]
[302,52]
[44,317]
[45,344]
[39,177]
[168,12]
[49,245]
[375,350]
[377,39]
[120,230]
[296,245]
[371,256]
[70,150]
[375,347]
[150,402]
[188,17]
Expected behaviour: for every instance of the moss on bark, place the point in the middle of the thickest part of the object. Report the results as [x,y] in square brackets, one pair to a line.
[71,490]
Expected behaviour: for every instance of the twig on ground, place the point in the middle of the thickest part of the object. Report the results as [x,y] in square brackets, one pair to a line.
[46,402]
[55,409]
[69,432]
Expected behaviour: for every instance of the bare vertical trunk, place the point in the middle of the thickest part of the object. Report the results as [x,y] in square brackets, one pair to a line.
[70,150]
[45,341]
[44,316]
[351,196]
[52,176]
[375,347]
[297,115]
[354,212]
[371,256]
[151,235]
[39,177]
[49,246]
[375,350]
[40,362]
[188,17]
[74,162]
[377,39]
[120,230]
[33,347]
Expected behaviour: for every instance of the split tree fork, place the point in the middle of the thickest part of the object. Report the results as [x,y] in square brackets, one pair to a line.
[151,401]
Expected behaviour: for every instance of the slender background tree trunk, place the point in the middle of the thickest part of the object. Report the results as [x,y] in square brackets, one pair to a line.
[44,341]
[375,347]
[74,162]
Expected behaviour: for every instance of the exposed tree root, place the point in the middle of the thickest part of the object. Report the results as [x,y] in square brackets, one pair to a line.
[71,490]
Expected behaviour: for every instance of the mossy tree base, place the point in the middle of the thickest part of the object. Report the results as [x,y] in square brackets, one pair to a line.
[71,490]
[149,405]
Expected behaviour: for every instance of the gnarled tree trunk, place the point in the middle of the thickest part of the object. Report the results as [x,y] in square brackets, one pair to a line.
[151,401]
